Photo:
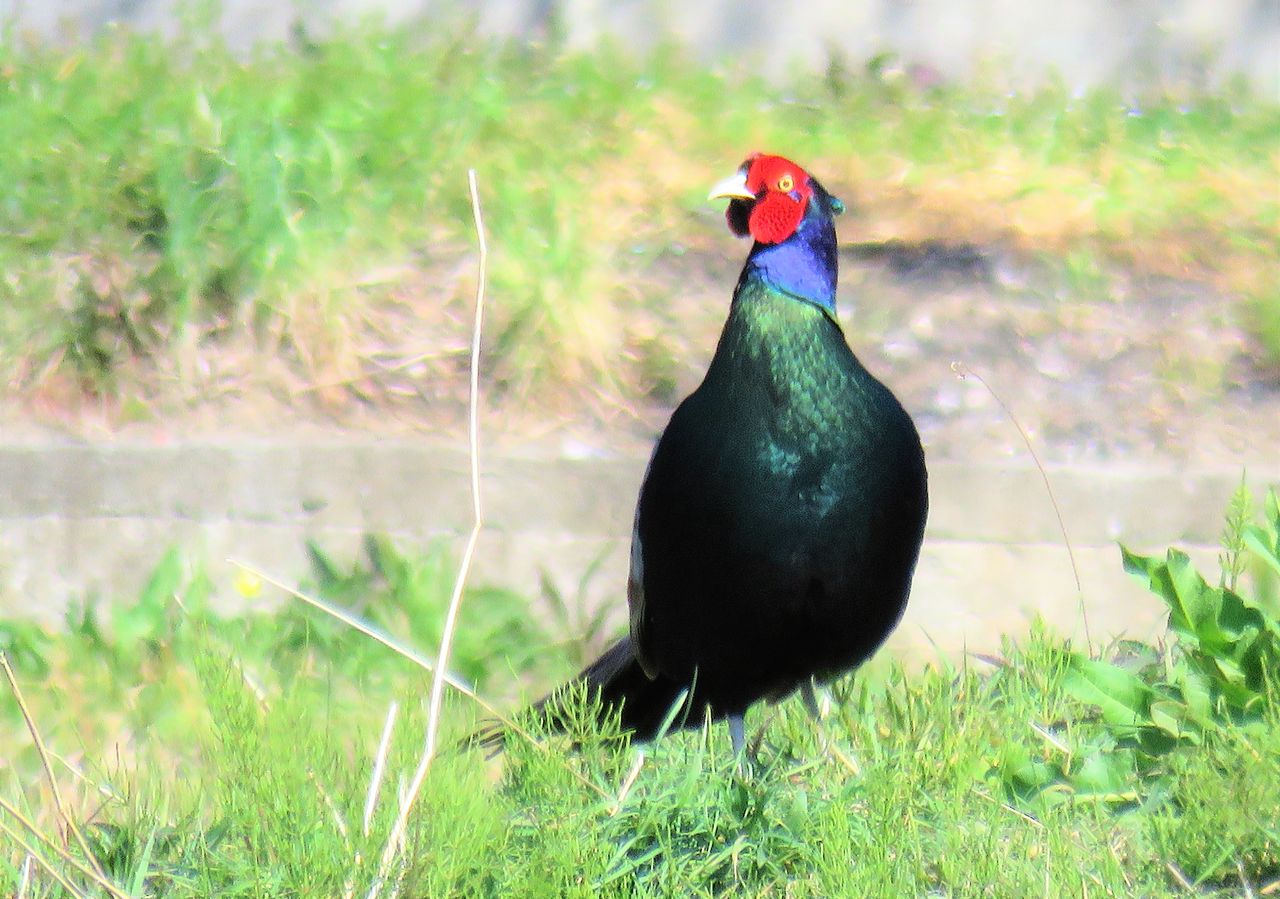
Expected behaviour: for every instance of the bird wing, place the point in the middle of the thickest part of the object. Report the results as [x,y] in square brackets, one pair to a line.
[635,583]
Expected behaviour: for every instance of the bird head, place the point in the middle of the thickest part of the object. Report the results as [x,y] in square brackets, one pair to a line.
[769,197]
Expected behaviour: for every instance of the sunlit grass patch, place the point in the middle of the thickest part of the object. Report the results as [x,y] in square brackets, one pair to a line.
[169,200]
[267,754]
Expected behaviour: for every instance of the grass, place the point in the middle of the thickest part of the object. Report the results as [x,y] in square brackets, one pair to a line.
[184,222]
[205,755]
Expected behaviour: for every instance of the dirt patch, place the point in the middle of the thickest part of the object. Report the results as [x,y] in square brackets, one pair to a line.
[1119,367]
[1097,366]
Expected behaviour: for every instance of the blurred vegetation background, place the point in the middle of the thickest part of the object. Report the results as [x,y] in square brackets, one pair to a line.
[189,219]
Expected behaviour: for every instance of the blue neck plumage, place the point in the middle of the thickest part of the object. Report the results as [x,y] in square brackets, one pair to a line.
[804,265]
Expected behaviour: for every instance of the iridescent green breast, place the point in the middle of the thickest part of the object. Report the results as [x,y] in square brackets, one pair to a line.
[791,356]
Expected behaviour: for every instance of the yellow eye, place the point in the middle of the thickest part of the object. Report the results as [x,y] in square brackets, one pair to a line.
[785,183]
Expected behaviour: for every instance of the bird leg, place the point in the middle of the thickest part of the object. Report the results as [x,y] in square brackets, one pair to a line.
[810,701]
[737,733]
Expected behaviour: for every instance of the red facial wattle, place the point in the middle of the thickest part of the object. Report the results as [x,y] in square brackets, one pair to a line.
[776,217]
[782,193]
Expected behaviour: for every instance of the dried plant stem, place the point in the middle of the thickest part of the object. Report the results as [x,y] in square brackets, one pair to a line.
[379,765]
[1244,880]
[464,568]
[33,855]
[1180,877]
[982,794]
[338,821]
[61,808]
[66,857]
[24,883]
[362,626]
[963,372]
[628,782]
[396,837]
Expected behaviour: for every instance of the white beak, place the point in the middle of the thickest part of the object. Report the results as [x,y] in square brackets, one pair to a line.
[733,187]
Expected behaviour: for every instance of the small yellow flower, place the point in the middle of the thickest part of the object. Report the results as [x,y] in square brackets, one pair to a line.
[248,584]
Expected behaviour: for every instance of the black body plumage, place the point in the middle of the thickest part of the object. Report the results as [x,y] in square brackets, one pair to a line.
[782,512]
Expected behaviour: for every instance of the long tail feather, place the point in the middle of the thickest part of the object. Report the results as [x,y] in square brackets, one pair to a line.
[622,686]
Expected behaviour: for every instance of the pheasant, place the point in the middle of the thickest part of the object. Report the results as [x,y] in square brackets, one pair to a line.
[782,512]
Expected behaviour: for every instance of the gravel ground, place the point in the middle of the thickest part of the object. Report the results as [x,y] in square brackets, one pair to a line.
[1126,368]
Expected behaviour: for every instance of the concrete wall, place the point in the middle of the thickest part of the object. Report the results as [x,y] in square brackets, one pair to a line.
[81,518]
[1136,45]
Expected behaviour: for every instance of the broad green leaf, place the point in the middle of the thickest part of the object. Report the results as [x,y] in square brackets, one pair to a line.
[1172,718]
[1198,603]
[1231,672]
[1241,624]
[1143,566]
[1160,581]
[1259,543]
[1196,693]
[1122,696]
[1106,775]
[1023,774]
